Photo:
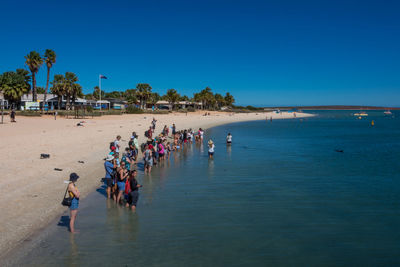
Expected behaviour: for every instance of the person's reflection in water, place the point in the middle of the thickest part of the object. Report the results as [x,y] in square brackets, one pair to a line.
[210,168]
[73,257]
[229,151]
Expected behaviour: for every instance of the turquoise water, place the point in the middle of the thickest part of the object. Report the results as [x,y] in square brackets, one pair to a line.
[279,196]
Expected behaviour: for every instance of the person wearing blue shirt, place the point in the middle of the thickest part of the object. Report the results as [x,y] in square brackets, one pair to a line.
[109,167]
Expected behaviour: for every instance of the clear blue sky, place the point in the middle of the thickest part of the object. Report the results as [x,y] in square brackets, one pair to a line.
[263,52]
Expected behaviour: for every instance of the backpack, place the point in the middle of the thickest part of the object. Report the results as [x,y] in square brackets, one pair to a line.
[146,133]
[127,186]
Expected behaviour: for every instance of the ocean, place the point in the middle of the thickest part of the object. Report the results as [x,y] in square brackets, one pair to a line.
[321,191]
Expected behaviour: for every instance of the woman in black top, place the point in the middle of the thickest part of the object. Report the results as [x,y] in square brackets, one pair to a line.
[133,195]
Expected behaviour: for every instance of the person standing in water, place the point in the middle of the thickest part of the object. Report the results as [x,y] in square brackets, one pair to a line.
[229,139]
[133,195]
[74,194]
[211,148]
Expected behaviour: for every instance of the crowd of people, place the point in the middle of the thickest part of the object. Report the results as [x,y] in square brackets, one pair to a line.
[121,164]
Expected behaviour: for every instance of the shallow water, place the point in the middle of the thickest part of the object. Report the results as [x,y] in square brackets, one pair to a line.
[280,195]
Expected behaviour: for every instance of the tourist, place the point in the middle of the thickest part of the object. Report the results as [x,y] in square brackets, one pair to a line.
[148,159]
[211,147]
[122,175]
[74,194]
[201,134]
[153,124]
[229,139]
[133,194]
[173,129]
[161,150]
[12,115]
[149,133]
[169,149]
[116,143]
[109,166]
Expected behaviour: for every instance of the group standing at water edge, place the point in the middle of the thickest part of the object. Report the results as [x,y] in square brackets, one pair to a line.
[120,168]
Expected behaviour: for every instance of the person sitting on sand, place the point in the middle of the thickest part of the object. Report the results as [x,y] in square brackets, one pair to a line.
[74,194]
[229,139]
[211,147]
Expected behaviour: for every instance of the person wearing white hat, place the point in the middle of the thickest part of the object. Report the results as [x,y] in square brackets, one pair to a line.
[109,166]
[211,147]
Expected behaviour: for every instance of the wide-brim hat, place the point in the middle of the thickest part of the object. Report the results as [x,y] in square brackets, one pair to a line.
[210,142]
[110,158]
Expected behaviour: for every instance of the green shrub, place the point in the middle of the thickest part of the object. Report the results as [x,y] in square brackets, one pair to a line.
[29,113]
[89,109]
[133,110]
[158,112]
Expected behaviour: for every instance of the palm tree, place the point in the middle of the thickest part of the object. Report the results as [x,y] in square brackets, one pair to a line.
[96,93]
[70,80]
[33,61]
[131,96]
[143,92]
[172,97]
[219,100]
[154,98]
[206,97]
[76,92]
[58,87]
[49,59]
[13,85]
[229,100]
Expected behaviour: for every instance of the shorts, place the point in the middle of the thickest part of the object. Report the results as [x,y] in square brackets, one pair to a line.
[74,204]
[229,142]
[133,197]
[161,155]
[148,163]
[210,153]
[108,182]
[121,186]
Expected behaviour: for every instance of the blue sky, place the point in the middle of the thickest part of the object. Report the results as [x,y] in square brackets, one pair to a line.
[263,52]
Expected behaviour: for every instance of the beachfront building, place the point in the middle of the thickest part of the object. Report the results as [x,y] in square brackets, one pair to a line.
[116,103]
[165,105]
[3,101]
[27,103]
[53,102]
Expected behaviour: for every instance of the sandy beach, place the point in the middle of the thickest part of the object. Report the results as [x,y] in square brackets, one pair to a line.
[31,190]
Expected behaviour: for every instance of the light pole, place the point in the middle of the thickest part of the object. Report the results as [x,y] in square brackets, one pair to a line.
[2,110]
[100,89]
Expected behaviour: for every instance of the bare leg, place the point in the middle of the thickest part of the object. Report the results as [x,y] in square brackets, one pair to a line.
[119,196]
[133,208]
[72,220]
[108,190]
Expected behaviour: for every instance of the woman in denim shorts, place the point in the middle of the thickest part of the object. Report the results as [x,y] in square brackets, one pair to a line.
[74,193]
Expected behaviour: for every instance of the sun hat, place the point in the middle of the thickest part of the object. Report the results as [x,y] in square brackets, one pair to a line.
[73,177]
[210,142]
[110,158]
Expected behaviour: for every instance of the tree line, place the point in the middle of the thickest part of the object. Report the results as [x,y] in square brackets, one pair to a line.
[144,95]
[14,84]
